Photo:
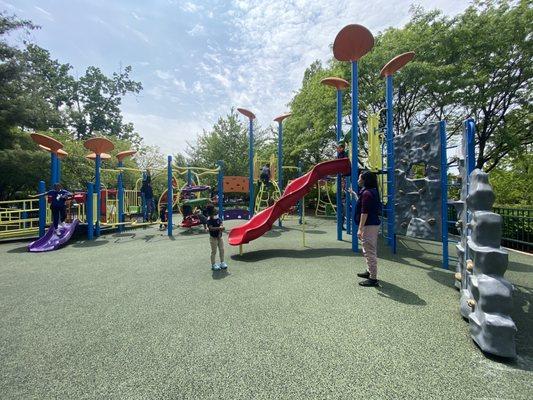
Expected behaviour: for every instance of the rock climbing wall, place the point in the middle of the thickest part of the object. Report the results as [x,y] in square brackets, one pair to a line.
[486,297]
[418,200]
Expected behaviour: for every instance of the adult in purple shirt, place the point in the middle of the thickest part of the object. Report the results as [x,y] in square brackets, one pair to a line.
[367,211]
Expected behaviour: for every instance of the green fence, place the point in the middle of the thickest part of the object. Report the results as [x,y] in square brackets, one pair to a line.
[517,229]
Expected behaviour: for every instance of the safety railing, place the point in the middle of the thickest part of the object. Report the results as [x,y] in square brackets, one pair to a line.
[19,218]
[517,227]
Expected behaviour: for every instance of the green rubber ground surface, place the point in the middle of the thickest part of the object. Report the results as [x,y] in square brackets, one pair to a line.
[140,316]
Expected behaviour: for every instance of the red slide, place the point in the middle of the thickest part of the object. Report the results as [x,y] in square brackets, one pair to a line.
[262,222]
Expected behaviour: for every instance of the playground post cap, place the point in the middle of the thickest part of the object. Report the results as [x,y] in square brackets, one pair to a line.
[59,153]
[46,141]
[103,156]
[246,113]
[99,145]
[281,117]
[337,83]
[396,63]
[352,42]
[123,154]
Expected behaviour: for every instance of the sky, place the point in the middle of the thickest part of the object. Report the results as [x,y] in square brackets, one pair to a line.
[197,59]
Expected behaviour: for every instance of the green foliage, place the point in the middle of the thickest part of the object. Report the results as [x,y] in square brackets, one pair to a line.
[226,141]
[512,181]
[477,64]
[39,93]
[24,165]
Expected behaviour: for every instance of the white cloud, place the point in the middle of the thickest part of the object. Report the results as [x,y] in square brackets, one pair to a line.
[198,88]
[190,7]
[274,42]
[163,74]
[196,30]
[169,134]
[136,16]
[138,34]
[180,84]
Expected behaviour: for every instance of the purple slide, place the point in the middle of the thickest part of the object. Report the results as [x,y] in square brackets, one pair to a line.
[51,241]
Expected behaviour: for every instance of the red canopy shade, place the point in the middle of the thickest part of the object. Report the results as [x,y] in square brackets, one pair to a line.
[352,43]
[397,63]
[337,83]
[246,113]
[281,117]
[99,145]
[46,141]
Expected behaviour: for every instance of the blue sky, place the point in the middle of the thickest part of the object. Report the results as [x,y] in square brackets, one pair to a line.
[196,59]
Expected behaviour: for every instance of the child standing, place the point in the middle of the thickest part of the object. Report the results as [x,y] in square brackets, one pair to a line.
[265,175]
[163,217]
[215,239]
[58,207]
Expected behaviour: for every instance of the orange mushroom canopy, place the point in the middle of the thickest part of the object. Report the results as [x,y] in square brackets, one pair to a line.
[103,156]
[46,141]
[246,113]
[352,42]
[337,83]
[99,145]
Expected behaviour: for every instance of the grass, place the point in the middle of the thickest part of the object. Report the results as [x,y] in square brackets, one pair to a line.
[139,316]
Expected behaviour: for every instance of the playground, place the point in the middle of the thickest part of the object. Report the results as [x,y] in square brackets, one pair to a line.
[362,251]
[136,315]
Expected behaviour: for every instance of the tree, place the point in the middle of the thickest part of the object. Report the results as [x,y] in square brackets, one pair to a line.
[494,38]
[226,141]
[512,180]
[10,72]
[96,103]
[477,64]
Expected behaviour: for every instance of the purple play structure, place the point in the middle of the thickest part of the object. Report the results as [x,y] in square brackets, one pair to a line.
[51,240]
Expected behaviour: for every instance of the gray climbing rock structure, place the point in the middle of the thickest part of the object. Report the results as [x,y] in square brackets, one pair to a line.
[417,199]
[486,297]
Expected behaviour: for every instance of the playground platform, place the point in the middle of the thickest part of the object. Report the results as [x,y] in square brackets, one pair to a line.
[140,316]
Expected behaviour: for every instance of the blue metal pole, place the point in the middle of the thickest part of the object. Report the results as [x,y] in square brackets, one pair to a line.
[348,207]
[470,164]
[444,194]
[220,189]
[170,195]
[251,169]
[339,177]
[53,164]
[89,211]
[98,194]
[120,185]
[470,144]
[58,169]
[355,144]
[42,209]
[280,161]
[300,202]
[391,234]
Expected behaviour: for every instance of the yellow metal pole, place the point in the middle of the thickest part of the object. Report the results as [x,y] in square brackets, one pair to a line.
[303,221]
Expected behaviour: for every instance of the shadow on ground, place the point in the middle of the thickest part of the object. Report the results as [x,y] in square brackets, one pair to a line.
[401,295]
[259,255]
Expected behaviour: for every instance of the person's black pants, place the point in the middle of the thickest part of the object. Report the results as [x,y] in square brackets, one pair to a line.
[59,214]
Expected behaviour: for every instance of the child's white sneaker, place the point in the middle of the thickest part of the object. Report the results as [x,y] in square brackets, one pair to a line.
[223,265]
[215,267]
[57,232]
